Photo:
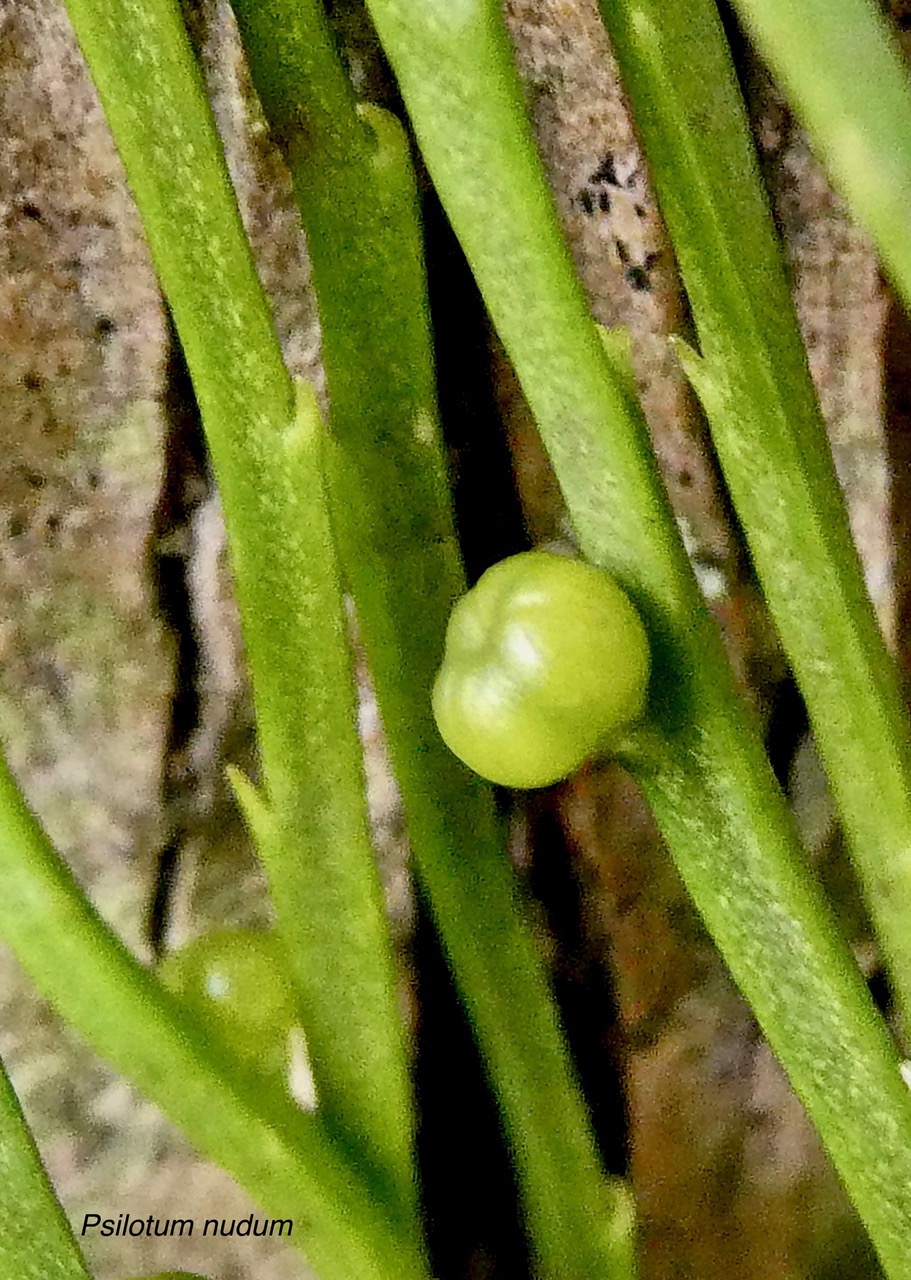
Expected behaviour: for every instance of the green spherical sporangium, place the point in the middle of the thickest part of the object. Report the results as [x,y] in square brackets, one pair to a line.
[545,660]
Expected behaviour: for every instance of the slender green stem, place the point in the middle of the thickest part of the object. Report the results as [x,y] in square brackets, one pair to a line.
[313,836]
[767,429]
[701,764]
[737,860]
[355,189]
[284,1158]
[36,1242]
[843,72]
[320,865]
[391,508]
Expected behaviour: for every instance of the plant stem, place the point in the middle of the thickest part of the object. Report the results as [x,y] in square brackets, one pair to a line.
[701,765]
[313,836]
[322,872]
[283,1157]
[36,1240]
[843,72]
[391,508]
[768,431]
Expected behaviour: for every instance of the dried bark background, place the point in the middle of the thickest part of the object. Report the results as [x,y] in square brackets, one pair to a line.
[122,692]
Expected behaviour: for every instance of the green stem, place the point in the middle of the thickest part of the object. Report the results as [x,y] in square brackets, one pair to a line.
[270,484]
[737,859]
[767,429]
[312,828]
[843,71]
[702,765]
[391,509]
[36,1240]
[283,1158]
